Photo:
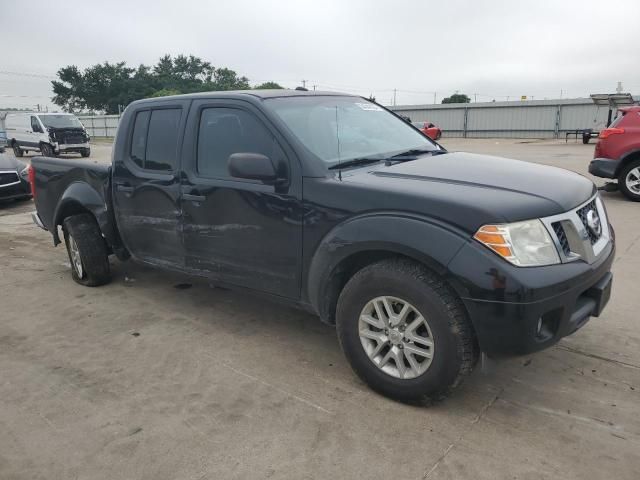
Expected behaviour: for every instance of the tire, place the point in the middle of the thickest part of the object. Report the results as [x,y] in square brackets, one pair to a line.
[85,152]
[630,173]
[83,238]
[454,346]
[439,135]
[17,151]
[47,150]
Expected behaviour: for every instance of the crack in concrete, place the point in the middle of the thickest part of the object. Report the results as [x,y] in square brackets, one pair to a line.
[459,439]
[598,357]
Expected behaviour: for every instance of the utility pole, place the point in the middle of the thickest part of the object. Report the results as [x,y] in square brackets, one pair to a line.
[475,98]
[434,98]
[394,97]
[38,105]
[304,83]
[560,93]
[314,87]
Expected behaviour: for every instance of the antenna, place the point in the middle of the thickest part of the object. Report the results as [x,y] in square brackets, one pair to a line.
[338,139]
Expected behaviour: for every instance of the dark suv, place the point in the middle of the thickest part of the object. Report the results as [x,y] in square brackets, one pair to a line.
[617,153]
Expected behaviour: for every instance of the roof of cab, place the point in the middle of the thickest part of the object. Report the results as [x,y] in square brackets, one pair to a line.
[262,94]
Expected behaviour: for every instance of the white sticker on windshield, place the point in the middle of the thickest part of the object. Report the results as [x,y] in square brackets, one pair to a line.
[369,106]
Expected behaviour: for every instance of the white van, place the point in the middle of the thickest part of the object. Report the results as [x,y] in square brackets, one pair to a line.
[49,133]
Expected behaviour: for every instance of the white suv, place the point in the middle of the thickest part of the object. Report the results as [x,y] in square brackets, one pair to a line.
[49,133]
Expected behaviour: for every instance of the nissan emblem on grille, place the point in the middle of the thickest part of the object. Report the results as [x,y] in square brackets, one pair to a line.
[593,223]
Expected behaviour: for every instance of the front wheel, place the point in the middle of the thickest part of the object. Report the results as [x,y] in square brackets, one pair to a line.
[47,150]
[87,250]
[404,331]
[85,152]
[629,181]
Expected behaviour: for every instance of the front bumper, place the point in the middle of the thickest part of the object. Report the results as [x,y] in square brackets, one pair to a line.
[19,189]
[603,167]
[516,311]
[70,147]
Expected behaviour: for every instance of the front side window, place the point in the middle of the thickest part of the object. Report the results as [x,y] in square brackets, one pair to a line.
[154,143]
[225,131]
[35,126]
[343,128]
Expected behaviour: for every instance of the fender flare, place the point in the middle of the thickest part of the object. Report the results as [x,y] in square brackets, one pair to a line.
[426,240]
[626,158]
[79,196]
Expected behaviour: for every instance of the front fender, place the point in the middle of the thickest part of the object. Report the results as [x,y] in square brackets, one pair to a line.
[426,240]
[81,196]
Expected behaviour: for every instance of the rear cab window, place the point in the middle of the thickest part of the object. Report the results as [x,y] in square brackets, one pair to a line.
[154,141]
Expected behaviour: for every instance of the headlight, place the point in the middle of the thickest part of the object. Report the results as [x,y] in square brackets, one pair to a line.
[24,173]
[525,244]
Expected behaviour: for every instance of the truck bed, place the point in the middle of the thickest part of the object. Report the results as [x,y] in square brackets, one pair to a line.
[58,182]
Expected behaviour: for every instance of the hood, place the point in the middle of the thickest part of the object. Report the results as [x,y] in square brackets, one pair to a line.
[10,163]
[477,189]
[65,129]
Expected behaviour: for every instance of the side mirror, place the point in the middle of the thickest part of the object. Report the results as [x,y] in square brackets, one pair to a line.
[252,166]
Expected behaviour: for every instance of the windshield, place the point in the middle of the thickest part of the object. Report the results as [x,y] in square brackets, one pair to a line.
[60,121]
[343,128]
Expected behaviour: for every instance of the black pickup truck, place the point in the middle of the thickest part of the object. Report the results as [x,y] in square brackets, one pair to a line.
[422,258]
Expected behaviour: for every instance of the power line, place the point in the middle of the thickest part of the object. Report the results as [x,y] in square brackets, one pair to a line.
[26,74]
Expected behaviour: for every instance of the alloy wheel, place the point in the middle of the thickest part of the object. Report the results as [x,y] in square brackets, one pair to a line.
[396,337]
[76,261]
[632,180]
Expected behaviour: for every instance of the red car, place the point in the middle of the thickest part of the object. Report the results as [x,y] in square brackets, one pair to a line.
[617,153]
[429,129]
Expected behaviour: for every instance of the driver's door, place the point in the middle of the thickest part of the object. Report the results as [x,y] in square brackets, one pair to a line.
[240,231]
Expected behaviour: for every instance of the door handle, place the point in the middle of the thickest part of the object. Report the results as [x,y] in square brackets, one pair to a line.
[121,187]
[193,198]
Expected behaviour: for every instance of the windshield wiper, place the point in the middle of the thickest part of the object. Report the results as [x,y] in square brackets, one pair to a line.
[416,151]
[355,162]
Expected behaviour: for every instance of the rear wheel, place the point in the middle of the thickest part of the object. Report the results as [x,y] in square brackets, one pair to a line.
[629,181]
[87,251]
[17,151]
[404,331]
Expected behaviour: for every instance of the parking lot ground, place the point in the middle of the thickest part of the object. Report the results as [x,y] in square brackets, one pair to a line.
[159,376]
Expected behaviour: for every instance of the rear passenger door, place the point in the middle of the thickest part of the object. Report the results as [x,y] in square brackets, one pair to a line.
[146,184]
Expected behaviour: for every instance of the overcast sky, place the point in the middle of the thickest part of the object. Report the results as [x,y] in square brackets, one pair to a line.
[495,49]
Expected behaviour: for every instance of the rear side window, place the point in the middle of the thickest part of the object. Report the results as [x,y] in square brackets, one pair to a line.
[139,139]
[154,144]
[225,131]
[618,119]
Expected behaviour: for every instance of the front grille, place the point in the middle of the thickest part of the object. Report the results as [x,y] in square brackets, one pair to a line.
[7,178]
[582,214]
[562,237]
[72,139]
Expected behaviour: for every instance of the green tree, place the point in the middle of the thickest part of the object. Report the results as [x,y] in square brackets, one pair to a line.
[268,86]
[165,92]
[457,98]
[106,86]
[225,79]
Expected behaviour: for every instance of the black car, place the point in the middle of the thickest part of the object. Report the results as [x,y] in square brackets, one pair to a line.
[420,257]
[14,178]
